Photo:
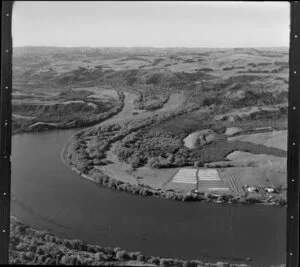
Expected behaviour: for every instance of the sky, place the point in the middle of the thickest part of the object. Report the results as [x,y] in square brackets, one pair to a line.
[151,24]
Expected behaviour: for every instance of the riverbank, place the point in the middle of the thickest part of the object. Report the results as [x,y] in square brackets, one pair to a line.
[86,152]
[102,179]
[114,217]
[31,246]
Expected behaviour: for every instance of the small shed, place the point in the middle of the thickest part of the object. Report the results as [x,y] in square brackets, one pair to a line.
[269,189]
[251,189]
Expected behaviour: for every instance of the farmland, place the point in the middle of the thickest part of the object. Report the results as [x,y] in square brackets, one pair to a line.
[156,111]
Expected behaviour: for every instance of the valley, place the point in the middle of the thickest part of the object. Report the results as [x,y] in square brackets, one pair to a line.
[204,125]
[156,111]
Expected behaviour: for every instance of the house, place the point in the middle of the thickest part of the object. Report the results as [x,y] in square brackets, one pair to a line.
[269,189]
[250,188]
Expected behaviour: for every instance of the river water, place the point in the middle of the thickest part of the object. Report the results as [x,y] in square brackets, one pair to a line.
[49,196]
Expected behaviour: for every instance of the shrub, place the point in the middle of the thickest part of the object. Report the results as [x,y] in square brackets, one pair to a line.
[50,261]
[154,260]
[21,229]
[32,248]
[122,255]
[282,202]
[226,197]
[64,259]
[21,246]
[69,260]
[76,244]
[190,264]
[40,251]
[91,249]
[79,261]
[47,238]
[253,199]
[29,255]
[163,262]
[99,256]
[23,256]
[67,243]
[140,257]
[42,258]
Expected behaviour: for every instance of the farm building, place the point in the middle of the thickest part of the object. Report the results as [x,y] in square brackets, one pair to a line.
[269,189]
[250,188]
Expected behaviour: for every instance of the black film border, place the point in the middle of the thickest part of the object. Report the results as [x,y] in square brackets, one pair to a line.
[5,129]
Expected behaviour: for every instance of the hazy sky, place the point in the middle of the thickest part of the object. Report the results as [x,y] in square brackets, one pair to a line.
[157,24]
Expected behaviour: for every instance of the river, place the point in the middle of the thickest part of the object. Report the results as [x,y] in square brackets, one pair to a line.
[47,195]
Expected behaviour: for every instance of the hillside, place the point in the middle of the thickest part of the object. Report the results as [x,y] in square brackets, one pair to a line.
[222,79]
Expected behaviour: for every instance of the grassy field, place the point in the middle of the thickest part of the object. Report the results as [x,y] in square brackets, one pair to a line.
[277,139]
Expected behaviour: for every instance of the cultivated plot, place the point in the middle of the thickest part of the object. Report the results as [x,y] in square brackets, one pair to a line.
[208,179]
[208,174]
[187,176]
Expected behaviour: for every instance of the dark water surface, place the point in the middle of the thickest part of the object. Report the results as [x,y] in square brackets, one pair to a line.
[49,196]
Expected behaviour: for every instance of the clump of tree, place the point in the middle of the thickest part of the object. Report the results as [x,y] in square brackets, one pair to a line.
[41,248]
